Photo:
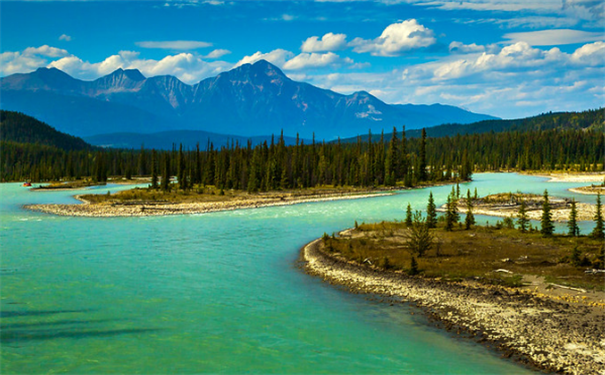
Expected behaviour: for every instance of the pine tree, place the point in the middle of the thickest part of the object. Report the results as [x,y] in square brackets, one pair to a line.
[166,173]
[522,219]
[548,227]
[572,224]
[421,166]
[408,216]
[597,232]
[451,212]
[154,172]
[470,218]
[431,212]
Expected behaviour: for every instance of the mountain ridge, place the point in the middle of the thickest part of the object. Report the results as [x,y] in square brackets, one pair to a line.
[248,100]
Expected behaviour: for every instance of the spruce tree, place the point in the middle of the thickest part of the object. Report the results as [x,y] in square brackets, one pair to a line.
[431,212]
[449,221]
[154,172]
[522,219]
[470,218]
[408,216]
[572,224]
[548,227]
[166,173]
[597,232]
[421,166]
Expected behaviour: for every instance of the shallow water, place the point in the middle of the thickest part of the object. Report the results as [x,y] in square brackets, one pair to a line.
[214,293]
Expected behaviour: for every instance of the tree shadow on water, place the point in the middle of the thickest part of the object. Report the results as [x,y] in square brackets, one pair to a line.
[21,332]
[18,336]
[12,314]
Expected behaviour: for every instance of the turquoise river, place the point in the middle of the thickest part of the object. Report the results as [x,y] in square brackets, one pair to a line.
[214,293]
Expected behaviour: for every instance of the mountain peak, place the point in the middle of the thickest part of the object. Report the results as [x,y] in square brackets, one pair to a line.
[267,68]
[132,74]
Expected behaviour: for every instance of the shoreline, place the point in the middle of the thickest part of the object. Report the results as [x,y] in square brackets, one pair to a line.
[569,176]
[571,341]
[87,209]
[586,212]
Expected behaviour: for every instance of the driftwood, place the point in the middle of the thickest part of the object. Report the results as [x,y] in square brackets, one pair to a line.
[568,287]
[503,270]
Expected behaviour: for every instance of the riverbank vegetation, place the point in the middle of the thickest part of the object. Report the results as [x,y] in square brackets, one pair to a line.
[455,249]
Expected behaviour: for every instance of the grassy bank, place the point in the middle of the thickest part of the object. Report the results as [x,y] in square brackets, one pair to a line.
[491,255]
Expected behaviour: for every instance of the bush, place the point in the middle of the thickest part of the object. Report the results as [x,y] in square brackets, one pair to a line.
[419,237]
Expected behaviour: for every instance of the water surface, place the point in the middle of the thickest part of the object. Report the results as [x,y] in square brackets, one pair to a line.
[213,293]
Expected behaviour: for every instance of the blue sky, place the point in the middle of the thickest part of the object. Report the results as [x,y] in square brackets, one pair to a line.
[508,58]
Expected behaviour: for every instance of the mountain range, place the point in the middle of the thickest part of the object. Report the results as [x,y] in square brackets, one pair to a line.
[250,100]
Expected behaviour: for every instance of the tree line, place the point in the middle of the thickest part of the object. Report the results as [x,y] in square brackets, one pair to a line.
[273,165]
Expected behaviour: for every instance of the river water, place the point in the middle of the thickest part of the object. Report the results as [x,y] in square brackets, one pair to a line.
[214,293]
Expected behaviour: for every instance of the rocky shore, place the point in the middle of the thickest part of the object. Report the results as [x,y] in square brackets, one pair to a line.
[562,335]
[107,209]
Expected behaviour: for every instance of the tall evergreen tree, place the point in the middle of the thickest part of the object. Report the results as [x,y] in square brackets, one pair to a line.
[166,173]
[572,224]
[154,172]
[522,219]
[408,216]
[548,227]
[431,212]
[421,166]
[470,218]
[597,232]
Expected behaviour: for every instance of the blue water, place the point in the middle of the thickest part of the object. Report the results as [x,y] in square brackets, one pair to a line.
[213,293]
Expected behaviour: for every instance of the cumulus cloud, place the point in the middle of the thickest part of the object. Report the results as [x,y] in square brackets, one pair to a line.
[328,42]
[29,59]
[217,53]
[277,57]
[187,67]
[288,61]
[396,39]
[315,60]
[179,45]
[459,47]
[65,37]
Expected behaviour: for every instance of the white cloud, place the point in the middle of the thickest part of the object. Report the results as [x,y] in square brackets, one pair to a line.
[590,54]
[46,51]
[315,60]
[180,45]
[65,37]
[288,61]
[396,39]
[555,37]
[29,59]
[287,17]
[277,57]
[459,47]
[187,67]
[328,42]
[217,53]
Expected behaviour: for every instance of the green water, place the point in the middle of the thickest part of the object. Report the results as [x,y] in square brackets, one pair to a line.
[213,293]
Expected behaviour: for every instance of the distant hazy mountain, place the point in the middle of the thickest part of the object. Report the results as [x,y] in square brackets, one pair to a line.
[246,101]
[593,119]
[188,138]
[19,128]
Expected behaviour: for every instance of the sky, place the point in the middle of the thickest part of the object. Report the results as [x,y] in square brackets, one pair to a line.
[507,58]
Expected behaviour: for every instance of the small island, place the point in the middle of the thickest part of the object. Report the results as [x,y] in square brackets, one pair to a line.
[500,284]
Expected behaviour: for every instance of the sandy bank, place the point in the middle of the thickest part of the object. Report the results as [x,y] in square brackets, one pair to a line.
[554,335]
[589,190]
[586,212]
[88,209]
[571,177]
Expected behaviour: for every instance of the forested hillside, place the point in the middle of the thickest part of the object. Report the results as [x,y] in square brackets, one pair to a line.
[20,128]
[591,119]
